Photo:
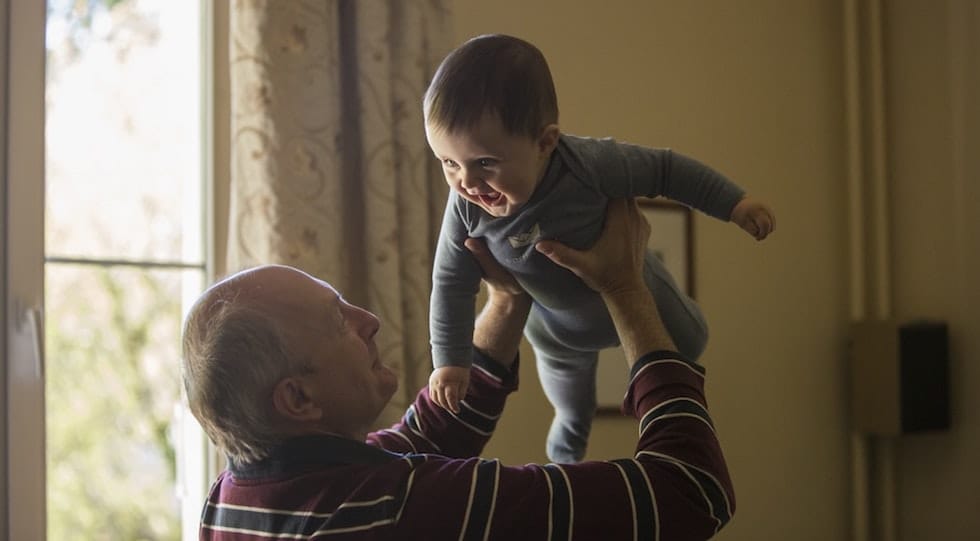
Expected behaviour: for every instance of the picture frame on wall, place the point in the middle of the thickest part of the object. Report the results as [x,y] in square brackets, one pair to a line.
[672,240]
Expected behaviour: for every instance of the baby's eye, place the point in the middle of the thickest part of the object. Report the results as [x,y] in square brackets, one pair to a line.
[449,163]
[485,162]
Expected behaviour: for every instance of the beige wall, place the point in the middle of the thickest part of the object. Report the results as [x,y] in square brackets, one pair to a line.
[933,82]
[756,89]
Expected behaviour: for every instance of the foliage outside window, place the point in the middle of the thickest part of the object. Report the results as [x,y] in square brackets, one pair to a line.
[123,157]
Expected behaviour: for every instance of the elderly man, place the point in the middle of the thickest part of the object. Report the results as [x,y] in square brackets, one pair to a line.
[285,378]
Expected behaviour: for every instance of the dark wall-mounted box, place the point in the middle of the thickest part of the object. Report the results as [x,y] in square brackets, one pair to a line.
[899,377]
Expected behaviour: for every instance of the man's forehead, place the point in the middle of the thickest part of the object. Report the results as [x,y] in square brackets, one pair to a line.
[278,284]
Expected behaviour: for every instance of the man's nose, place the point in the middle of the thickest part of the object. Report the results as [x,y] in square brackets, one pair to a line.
[371,324]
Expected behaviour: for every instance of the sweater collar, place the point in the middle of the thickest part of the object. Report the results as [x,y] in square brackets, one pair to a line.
[307,452]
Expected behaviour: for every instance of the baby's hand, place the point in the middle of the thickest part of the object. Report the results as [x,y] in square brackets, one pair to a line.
[447,386]
[754,217]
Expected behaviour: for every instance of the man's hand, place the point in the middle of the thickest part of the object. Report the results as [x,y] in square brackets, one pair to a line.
[615,262]
[447,386]
[497,278]
[613,266]
[755,217]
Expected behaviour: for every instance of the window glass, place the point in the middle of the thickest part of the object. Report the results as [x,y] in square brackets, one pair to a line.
[124,250]
[122,128]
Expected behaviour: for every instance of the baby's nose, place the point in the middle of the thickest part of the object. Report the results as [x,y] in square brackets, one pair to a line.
[470,180]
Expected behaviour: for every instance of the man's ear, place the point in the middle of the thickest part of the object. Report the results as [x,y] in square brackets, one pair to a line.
[292,400]
[549,138]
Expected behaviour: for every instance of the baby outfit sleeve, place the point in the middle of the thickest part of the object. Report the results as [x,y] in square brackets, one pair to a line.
[626,170]
[455,282]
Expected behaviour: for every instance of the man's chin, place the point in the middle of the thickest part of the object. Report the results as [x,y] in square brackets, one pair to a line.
[388,378]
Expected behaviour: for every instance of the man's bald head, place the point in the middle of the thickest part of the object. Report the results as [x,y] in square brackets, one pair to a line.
[235,350]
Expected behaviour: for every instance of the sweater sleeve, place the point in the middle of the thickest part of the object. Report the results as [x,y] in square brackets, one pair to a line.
[626,170]
[428,428]
[675,487]
[455,283]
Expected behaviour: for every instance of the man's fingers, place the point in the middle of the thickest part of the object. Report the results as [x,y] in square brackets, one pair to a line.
[488,264]
[495,275]
[557,252]
[624,235]
[479,251]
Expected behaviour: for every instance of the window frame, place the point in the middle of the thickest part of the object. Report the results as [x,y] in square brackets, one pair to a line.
[22,263]
[23,247]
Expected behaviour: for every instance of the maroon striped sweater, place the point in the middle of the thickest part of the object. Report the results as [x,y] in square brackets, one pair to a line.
[422,480]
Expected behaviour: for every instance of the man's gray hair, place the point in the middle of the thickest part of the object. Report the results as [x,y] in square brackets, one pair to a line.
[234,354]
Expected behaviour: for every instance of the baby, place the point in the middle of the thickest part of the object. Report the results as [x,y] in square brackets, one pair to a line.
[491,118]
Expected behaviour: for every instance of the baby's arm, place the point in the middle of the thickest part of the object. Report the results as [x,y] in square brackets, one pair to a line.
[497,332]
[455,283]
[652,172]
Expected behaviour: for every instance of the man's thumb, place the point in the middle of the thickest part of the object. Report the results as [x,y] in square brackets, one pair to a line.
[556,251]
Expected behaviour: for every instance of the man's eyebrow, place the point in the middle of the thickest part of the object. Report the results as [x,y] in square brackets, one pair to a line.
[339,318]
[336,308]
[335,300]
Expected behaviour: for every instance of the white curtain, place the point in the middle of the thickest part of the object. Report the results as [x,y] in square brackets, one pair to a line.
[330,170]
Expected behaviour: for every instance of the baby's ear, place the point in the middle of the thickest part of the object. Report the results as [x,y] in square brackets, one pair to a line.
[549,138]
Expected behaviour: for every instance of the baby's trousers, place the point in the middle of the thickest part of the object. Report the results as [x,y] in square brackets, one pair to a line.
[566,347]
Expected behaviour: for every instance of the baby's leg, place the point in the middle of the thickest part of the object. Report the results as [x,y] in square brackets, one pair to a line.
[681,315]
[568,379]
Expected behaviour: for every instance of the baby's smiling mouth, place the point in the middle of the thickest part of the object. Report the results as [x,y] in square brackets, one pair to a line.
[491,199]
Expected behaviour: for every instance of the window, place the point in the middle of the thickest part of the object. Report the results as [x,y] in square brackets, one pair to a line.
[124,234]
[119,259]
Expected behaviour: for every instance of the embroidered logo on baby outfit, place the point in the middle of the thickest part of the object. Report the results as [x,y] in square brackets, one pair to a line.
[525,239]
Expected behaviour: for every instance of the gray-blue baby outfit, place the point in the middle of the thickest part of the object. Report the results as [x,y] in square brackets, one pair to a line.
[569,324]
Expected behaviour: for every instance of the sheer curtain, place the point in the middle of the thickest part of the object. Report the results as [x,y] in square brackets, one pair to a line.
[330,171]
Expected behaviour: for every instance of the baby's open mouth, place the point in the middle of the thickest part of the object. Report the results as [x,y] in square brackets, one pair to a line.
[491,199]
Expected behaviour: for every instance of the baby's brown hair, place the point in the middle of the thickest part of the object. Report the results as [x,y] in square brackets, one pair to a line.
[495,74]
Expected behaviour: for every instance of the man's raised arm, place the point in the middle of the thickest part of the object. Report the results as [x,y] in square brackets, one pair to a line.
[429,428]
[675,486]
[678,481]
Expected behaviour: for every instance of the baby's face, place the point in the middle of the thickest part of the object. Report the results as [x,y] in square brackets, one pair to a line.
[489,167]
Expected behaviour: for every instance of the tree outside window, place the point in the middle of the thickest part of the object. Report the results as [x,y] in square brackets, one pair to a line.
[123,166]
